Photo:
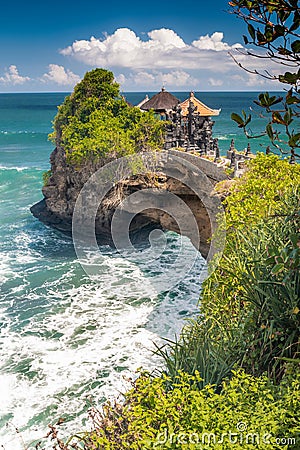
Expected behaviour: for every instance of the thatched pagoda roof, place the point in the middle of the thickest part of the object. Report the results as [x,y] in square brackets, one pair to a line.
[161,102]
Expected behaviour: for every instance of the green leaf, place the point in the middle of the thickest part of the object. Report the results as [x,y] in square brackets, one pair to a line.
[269,33]
[289,78]
[277,268]
[237,118]
[288,117]
[261,38]
[294,141]
[275,100]
[296,46]
[283,14]
[279,30]
[270,131]
[292,100]
[251,31]
[294,239]
[248,120]
[277,118]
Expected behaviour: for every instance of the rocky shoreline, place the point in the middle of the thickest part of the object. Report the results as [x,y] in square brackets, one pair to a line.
[66,181]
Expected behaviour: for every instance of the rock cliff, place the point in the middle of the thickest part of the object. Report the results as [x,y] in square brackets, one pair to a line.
[191,181]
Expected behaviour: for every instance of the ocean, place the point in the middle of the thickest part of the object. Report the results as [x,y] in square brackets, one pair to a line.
[66,342]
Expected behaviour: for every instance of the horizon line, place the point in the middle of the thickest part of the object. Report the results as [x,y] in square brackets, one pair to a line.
[143,91]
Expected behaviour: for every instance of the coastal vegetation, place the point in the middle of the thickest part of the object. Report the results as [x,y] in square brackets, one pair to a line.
[46,177]
[238,362]
[96,122]
[249,307]
[249,413]
[232,377]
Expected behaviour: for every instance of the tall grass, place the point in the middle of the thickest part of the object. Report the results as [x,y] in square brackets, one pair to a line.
[250,307]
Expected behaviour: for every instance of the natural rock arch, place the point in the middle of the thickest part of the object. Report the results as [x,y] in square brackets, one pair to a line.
[188,177]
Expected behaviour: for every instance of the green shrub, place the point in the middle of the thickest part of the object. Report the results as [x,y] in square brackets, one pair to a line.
[95,122]
[248,413]
[46,176]
[250,305]
[258,193]
[201,348]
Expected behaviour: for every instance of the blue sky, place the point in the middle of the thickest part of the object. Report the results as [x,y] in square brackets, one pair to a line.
[47,46]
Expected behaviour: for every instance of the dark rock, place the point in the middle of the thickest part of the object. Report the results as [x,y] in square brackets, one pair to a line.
[66,182]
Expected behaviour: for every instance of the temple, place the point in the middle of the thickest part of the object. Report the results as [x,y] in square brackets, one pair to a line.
[190,124]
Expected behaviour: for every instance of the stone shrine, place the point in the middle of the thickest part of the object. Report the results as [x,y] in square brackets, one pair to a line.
[189,122]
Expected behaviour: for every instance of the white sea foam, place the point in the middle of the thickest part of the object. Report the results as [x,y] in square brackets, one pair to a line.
[9,132]
[82,341]
[225,137]
[19,168]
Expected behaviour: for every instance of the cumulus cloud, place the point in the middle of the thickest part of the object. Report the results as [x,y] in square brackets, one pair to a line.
[59,75]
[164,48]
[12,76]
[177,78]
[156,79]
[253,81]
[215,82]
[214,42]
[167,38]
[121,79]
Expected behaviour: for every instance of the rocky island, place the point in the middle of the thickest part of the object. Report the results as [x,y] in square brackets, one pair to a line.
[95,107]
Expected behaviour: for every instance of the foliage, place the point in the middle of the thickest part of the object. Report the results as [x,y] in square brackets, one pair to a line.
[249,412]
[94,121]
[256,292]
[198,350]
[97,88]
[239,361]
[98,83]
[273,26]
[250,304]
[259,192]
[46,176]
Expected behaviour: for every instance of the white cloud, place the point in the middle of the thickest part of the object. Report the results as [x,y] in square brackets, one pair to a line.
[59,75]
[167,38]
[215,82]
[164,49]
[121,79]
[252,81]
[214,42]
[12,76]
[156,79]
[179,78]
[256,80]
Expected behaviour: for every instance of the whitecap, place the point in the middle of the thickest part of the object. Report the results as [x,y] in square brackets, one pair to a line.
[82,340]
[19,168]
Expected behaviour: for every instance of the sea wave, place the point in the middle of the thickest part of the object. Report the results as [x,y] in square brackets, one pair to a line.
[11,133]
[225,137]
[19,168]
[68,341]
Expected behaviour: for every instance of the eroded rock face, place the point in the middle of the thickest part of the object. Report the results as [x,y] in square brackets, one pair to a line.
[187,177]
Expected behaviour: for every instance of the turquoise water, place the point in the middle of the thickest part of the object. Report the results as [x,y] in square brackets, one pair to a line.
[65,340]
